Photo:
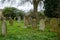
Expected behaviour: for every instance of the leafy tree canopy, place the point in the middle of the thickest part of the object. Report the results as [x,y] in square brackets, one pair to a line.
[52,8]
[12,12]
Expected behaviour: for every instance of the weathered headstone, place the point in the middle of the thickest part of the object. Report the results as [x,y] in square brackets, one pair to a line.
[42,25]
[34,23]
[47,21]
[26,21]
[14,18]
[19,18]
[54,24]
[30,20]
[4,27]
[11,21]
[58,28]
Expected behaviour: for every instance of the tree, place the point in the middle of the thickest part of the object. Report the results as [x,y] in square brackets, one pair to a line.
[35,6]
[9,12]
[52,8]
[20,13]
[34,2]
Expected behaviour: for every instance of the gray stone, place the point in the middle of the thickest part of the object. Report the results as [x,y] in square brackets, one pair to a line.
[4,27]
[34,23]
[42,25]
[19,18]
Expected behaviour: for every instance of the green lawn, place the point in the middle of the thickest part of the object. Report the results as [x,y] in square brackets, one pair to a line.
[16,32]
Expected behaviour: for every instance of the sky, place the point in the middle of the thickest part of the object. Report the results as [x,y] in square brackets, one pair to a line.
[25,7]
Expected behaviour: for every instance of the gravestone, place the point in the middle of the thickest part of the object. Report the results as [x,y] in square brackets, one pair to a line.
[11,21]
[30,20]
[47,22]
[58,29]
[34,23]
[54,24]
[42,25]
[4,27]
[14,18]
[19,18]
[26,21]
[58,21]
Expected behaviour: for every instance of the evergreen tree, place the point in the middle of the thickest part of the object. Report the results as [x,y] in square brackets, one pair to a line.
[52,8]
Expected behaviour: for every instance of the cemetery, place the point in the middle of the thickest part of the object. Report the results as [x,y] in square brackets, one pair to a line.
[18,24]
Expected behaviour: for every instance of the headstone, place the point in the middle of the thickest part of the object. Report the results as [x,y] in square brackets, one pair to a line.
[4,27]
[19,18]
[10,21]
[58,21]
[54,24]
[47,21]
[26,21]
[30,20]
[58,30]
[34,23]
[42,25]
[14,18]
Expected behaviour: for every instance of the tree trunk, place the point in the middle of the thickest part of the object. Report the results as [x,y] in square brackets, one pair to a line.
[35,10]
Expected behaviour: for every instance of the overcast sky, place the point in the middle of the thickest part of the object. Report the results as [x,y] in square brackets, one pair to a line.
[25,7]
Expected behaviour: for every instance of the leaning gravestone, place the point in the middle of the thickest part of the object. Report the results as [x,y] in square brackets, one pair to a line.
[54,24]
[42,25]
[4,27]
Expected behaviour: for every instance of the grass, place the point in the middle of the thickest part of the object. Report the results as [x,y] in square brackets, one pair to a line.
[16,32]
